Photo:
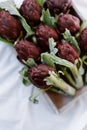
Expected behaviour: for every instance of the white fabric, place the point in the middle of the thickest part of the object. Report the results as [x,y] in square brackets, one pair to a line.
[17,113]
[81,8]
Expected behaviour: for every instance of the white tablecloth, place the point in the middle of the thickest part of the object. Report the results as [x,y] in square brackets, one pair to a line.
[17,113]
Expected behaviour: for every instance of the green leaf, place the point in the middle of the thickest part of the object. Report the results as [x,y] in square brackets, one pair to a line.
[24,74]
[10,6]
[84,59]
[6,41]
[26,27]
[52,44]
[83,26]
[71,39]
[45,59]
[47,19]
[30,62]
[41,2]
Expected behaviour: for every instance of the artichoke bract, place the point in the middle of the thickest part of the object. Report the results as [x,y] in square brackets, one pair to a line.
[38,73]
[70,22]
[43,33]
[67,51]
[26,49]
[10,27]
[83,40]
[58,5]
[31,11]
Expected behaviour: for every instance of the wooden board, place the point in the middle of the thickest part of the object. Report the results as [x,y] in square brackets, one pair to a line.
[60,100]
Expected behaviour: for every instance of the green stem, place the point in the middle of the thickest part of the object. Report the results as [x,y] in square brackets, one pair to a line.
[36,94]
[77,77]
[53,89]
[79,82]
[61,84]
[26,27]
[68,76]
